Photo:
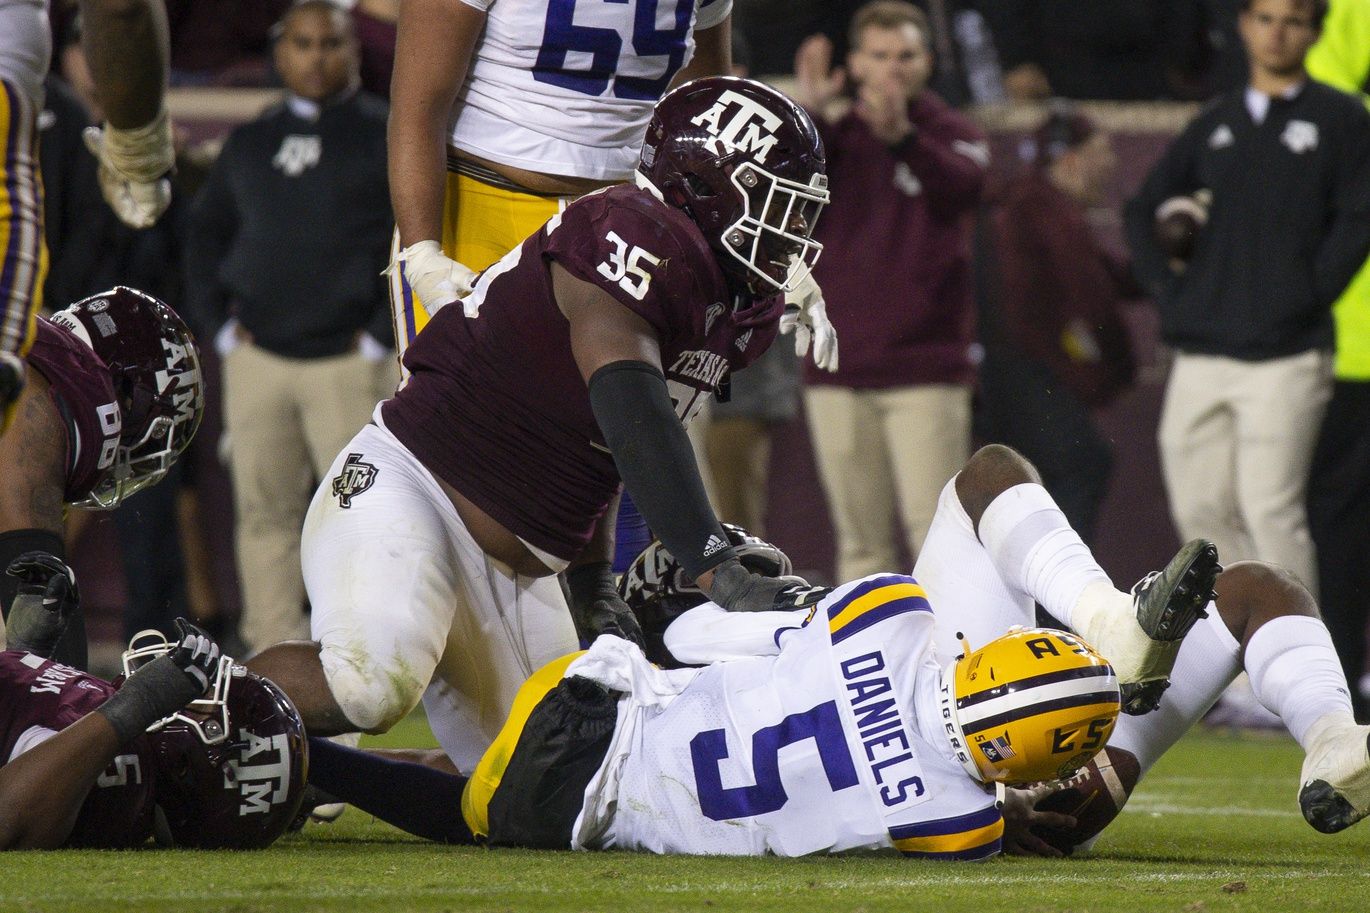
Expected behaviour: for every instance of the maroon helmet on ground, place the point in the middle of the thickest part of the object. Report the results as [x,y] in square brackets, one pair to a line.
[155,365]
[231,767]
[747,166]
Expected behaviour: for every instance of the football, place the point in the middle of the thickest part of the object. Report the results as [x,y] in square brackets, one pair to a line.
[1178,223]
[1094,796]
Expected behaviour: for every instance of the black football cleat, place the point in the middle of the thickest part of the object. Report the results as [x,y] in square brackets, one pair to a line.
[1168,603]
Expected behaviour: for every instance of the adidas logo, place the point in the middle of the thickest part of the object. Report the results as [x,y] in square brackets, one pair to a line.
[713,546]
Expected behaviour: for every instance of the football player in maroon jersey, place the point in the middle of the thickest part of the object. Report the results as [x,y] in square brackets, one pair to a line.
[112,397]
[83,762]
[430,553]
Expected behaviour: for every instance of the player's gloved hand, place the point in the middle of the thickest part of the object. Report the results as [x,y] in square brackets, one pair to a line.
[438,279]
[807,317]
[46,598]
[596,607]
[11,386]
[1021,816]
[134,165]
[739,590]
[196,654]
[164,685]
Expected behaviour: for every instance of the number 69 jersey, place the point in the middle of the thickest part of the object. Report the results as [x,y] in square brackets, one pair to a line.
[834,744]
[567,86]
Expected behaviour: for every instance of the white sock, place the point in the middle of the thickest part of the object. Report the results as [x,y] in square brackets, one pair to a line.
[1295,673]
[1037,553]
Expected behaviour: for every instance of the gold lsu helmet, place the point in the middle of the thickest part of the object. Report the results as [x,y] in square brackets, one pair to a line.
[1033,705]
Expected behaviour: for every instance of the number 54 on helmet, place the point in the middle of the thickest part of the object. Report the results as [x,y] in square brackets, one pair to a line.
[1036,704]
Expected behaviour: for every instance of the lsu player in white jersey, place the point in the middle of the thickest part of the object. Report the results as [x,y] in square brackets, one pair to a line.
[850,727]
[126,45]
[502,111]
[998,544]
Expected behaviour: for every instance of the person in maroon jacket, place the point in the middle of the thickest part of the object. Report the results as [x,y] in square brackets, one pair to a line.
[1055,343]
[892,423]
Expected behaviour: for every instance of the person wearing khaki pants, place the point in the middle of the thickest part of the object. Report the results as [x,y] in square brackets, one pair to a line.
[286,419]
[1236,441]
[287,241]
[878,449]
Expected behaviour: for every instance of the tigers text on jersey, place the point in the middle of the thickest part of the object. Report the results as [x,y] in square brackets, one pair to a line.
[834,744]
[39,698]
[83,393]
[496,406]
[566,87]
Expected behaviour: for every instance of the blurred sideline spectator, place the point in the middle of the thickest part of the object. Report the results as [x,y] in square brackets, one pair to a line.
[892,424]
[1339,487]
[966,65]
[1056,346]
[1055,342]
[287,242]
[1103,49]
[1287,164]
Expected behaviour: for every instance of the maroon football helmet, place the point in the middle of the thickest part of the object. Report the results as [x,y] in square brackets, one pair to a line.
[747,166]
[231,767]
[659,591]
[155,365]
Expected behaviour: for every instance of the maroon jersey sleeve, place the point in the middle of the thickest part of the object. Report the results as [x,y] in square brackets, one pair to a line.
[36,692]
[647,255]
[83,393]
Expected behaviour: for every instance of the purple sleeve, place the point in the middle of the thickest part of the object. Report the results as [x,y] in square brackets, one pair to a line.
[631,250]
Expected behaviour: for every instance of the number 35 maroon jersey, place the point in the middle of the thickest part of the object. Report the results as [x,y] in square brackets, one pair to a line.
[496,406]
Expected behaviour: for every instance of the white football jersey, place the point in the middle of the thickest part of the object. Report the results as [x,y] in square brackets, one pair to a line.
[567,86]
[832,744]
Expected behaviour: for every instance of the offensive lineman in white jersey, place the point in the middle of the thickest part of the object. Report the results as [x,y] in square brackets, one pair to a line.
[502,111]
[126,45]
[843,728]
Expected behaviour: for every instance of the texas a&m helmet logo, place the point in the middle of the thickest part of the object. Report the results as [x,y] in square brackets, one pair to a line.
[739,123]
[355,478]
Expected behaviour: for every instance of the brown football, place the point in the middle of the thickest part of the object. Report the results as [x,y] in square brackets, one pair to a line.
[1094,796]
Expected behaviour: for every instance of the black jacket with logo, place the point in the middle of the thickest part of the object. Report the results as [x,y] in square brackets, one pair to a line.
[1288,227]
[292,230]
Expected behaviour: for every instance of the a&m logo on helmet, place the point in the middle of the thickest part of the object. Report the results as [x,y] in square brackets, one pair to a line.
[736,122]
[261,772]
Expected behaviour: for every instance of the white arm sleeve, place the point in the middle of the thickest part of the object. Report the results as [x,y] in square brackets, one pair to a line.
[709,633]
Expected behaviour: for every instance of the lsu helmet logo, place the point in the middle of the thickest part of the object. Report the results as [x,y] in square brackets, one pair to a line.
[355,478]
[737,123]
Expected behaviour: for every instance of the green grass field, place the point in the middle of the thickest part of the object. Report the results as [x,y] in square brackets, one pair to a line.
[1214,828]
